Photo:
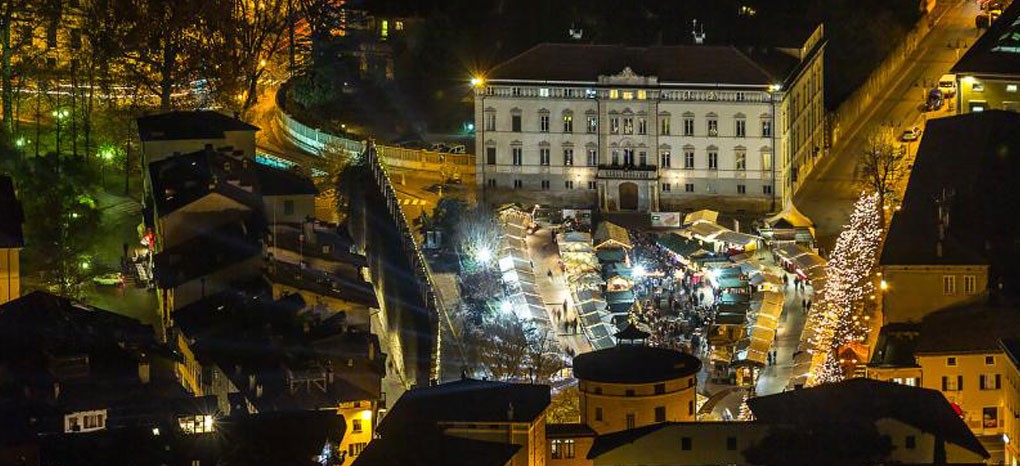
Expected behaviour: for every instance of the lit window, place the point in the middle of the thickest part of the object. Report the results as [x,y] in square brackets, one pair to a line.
[543,92]
[642,95]
[969,284]
[949,285]
[614,94]
[628,95]
[198,424]
[1011,88]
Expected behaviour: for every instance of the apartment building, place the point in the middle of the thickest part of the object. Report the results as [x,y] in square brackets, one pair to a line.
[952,241]
[653,128]
[955,351]
[988,75]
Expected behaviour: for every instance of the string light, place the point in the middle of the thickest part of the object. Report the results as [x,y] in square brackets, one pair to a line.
[842,318]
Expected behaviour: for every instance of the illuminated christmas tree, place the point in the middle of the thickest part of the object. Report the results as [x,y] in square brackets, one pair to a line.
[845,300]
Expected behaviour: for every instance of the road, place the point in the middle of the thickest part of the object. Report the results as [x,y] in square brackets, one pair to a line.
[831,189]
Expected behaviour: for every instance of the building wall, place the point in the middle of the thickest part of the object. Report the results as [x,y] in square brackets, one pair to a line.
[902,375]
[10,274]
[357,315]
[667,183]
[802,122]
[220,280]
[616,404]
[1011,411]
[530,436]
[195,218]
[988,93]
[913,292]
[923,451]
[582,445]
[972,399]
[708,442]
[300,208]
[360,418]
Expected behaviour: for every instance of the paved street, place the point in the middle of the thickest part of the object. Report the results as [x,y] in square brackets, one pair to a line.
[774,379]
[554,289]
[830,190]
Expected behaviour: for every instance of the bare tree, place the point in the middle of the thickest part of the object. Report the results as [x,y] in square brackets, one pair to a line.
[544,357]
[477,234]
[882,164]
[565,407]
[503,347]
[250,36]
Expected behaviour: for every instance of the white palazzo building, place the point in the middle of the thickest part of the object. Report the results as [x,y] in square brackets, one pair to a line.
[649,129]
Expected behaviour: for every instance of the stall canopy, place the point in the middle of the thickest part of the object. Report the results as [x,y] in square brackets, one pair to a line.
[611,235]
[704,231]
[790,218]
[733,239]
[704,215]
[611,255]
[678,245]
[733,298]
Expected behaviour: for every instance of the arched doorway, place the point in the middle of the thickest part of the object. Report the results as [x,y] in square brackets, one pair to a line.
[628,196]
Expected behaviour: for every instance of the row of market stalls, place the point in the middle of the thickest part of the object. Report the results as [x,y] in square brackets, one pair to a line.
[600,276]
[516,270]
[583,275]
[749,294]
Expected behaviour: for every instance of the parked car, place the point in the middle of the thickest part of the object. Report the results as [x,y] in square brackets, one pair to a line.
[911,134]
[109,279]
[935,100]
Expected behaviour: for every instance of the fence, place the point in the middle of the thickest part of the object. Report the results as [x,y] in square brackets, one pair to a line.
[315,141]
[412,247]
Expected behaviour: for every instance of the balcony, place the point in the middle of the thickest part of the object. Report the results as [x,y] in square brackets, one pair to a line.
[629,172]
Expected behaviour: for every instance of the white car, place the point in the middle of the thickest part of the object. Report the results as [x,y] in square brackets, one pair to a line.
[911,134]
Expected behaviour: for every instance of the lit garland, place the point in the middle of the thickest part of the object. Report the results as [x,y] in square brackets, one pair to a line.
[843,307]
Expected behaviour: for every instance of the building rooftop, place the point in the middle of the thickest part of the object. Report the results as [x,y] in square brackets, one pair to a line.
[213,250]
[323,283]
[570,430]
[867,400]
[59,356]
[966,168]
[182,179]
[298,360]
[634,364]
[896,345]
[199,124]
[968,328]
[464,401]
[997,52]
[433,449]
[680,64]
[277,182]
[1011,346]
[11,215]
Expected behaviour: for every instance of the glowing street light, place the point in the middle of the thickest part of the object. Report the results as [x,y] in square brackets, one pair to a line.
[477,81]
[484,255]
[639,270]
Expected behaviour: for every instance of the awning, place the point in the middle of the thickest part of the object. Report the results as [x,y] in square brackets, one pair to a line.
[704,231]
[790,218]
[734,238]
[611,255]
[678,245]
[705,215]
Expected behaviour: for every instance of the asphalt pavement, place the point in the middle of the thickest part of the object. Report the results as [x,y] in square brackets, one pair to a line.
[832,187]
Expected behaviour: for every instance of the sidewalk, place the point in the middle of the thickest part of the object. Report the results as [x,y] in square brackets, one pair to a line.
[554,290]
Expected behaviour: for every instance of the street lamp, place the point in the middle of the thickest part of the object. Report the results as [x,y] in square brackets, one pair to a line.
[477,81]
[59,115]
[106,154]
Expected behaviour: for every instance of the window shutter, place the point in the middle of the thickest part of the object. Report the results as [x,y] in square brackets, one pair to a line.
[959,383]
[945,383]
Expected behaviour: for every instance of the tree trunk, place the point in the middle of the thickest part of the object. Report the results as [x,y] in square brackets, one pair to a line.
[6,73]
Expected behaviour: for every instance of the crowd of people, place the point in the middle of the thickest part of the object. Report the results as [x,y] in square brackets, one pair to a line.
[673,302]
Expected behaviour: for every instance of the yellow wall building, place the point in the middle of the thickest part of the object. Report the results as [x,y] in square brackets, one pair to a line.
[11,241]
[955,351]
[1011,399]
[632,385]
